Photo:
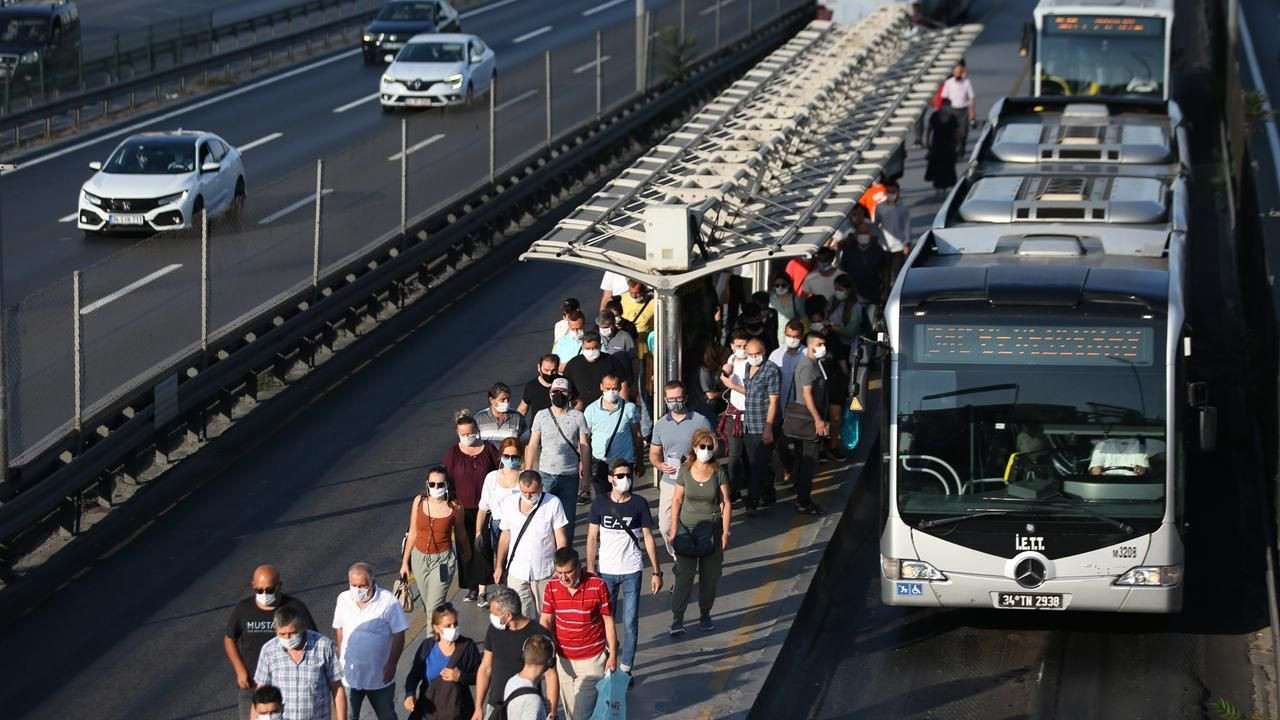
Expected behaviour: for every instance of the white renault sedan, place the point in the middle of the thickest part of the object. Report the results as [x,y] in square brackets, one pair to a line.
[161,181]
[434,70]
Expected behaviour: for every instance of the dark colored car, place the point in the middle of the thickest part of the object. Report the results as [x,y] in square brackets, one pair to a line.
[35,32]
[400,20]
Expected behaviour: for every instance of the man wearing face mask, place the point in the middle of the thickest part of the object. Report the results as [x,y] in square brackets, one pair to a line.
[615,342]
[305,666]
[503,652]
[575,608]
[730,424]
[615,431]
[786,304]
[536,397]
[499,421]
[785,359]
[268,703]
[570,345]
[560,445]
[587,370]
[822,279]
[760,384]
[670,445]
[250,627]
[810,384]
[533,527]
[865,264]
[893,218]
[369,627]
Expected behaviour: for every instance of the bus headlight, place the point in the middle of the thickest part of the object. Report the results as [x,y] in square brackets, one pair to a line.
[1151,576]
[895,569]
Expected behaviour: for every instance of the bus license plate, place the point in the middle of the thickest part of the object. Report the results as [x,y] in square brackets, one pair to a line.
[127,219]
[1029,601]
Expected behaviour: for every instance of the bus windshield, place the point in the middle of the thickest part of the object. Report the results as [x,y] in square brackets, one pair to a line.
[1108,56]
[993,414]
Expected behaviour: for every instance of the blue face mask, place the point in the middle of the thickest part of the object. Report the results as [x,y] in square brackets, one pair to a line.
[510,463]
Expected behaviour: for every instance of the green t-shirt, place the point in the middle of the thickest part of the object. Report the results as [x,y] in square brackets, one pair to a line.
[701,500]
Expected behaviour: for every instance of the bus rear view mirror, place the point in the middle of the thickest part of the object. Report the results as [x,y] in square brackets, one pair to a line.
[1208,416]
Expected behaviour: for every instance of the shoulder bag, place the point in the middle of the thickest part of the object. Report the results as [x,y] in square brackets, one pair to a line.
[600,468]
[797,421]
[506,562]
[700,540]
[613,511]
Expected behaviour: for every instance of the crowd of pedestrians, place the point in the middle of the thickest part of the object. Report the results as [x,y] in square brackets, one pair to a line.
[497,520]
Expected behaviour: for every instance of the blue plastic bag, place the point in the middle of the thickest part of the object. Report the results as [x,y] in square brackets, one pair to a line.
[611,698]
[851,429]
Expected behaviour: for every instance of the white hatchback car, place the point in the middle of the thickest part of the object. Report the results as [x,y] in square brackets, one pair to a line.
[161,181]
[434,70]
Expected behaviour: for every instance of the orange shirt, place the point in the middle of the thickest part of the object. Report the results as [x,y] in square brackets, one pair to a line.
[874,195]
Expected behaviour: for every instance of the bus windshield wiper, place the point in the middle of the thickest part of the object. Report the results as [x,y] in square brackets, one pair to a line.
[1063,502]
[925,524]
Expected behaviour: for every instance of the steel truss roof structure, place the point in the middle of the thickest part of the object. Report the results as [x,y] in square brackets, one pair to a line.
[773,165]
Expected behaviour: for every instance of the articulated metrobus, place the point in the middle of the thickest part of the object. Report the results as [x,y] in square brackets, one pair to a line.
[1108,48]
[1038,400]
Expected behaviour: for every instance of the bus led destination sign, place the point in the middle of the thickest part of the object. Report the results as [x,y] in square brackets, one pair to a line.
[1032,344]
[1104,25]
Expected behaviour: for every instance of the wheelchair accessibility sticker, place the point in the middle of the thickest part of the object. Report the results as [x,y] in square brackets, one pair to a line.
[911,589]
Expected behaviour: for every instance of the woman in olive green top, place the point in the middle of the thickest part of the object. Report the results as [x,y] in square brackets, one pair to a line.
[701,497]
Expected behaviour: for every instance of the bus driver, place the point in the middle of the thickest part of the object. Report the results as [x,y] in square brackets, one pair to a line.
[1120,456]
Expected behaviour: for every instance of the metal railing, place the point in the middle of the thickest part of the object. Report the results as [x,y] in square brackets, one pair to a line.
[83,351]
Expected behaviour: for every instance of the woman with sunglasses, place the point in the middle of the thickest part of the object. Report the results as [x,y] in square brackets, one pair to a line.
[435,521]
[498,486]
[700,505]
[468,463]
[436,687]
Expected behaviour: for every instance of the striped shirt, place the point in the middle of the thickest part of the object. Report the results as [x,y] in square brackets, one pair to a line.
[578,616]
[305,685]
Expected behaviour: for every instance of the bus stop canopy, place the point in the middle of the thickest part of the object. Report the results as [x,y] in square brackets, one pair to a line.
[771,167]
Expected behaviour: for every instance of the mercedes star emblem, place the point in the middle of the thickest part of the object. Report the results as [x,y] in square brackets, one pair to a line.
[1030,573]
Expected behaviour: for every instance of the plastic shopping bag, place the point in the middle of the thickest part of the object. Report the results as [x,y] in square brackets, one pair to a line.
[611,698]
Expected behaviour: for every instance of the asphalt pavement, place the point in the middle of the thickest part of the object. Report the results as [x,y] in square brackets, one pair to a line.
[323,109]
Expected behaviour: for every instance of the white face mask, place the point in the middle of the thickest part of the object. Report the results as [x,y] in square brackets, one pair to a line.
[792,342]
[606,332]
[267,599]
[438,492]
[816,326]
[841,294]
[577,334]
[292,643]
[864,240]
[361,594]
[496,622]
[780,289]
[755,360]
[270,716]
[622,485]
[470,439]
[591,355]
[611,396]
[704,455]
[450,634]
[740,353]
[819,352]
[502,406]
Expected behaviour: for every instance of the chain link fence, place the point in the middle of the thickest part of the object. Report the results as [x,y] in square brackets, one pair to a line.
[109,330]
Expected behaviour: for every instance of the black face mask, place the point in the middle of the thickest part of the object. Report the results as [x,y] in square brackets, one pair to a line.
[559,399]
[547,376]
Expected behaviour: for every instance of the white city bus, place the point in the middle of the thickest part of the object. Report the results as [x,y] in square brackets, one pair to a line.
[1038,402]
[1110,48]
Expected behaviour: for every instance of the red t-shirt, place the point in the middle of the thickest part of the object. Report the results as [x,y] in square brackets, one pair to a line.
[797,269]
[578,617]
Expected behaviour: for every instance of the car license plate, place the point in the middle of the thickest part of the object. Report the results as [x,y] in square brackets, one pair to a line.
[417,102]
[127,219]
[1029,601]
[392,45]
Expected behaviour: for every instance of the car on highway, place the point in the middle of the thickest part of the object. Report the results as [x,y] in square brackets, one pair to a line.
[161,181]
[400,20]
[438,70]
[38,37]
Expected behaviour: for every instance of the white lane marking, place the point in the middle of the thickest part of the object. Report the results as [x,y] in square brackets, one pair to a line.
[260,141]
[530,35]
[129,288]
[70,218]
[601,8]
[522,96]
[1273,138]
[418,146]
[583,68]
[354,103]
[486,8]
[708,11]
[290,208]
[130,129]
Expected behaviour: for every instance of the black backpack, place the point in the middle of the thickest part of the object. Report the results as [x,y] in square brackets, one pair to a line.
[500,710]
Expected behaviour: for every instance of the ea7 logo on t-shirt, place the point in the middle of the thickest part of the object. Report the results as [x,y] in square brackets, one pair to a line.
[608,522]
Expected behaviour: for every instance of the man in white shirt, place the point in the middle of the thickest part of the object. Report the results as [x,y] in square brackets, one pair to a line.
[959,91]
[1120,456]
[533,528]
[369,628]
[521,703]
[893,218]
[611,285]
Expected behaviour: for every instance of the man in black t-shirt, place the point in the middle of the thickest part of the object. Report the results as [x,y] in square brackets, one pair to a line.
[537,392]
[504,651]
[587,370]
[250,627]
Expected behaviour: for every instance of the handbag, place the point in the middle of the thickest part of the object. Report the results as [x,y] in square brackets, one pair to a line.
[506,562]
[697,542]
[403,590]
[797,422]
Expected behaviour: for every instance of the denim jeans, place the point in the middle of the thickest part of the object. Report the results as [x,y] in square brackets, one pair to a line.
[564,487]
[383,701]
[624,600]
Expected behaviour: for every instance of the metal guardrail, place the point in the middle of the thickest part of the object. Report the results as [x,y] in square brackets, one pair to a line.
[210,381]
